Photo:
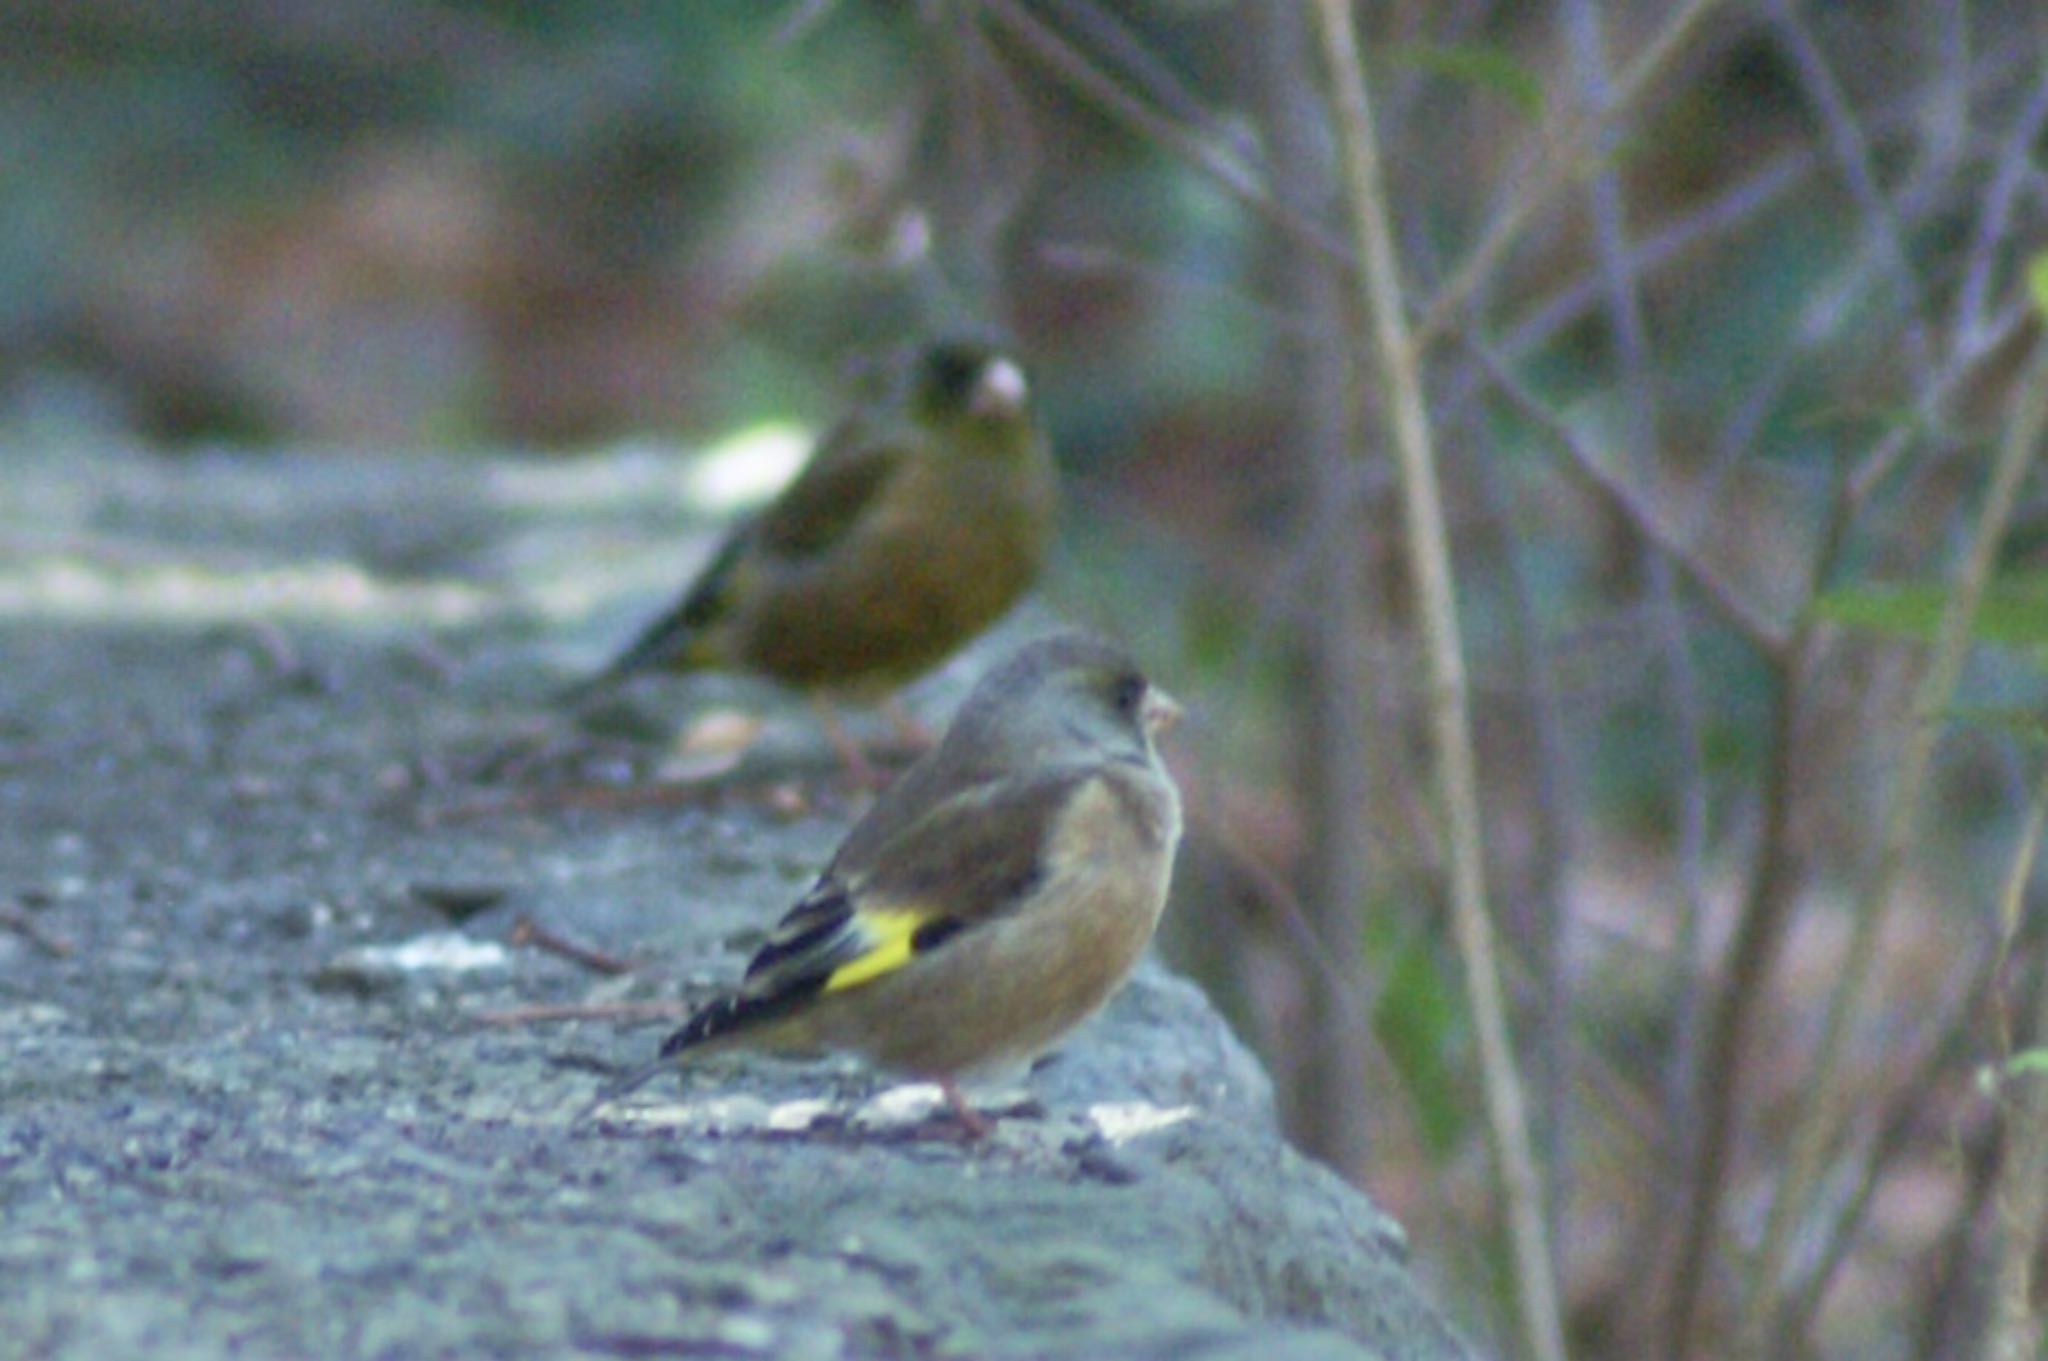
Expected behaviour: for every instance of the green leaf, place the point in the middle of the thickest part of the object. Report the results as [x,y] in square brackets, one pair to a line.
[2013,612]
[2025,725]
[2027,1061]
[2037,281]
[1419,1022]
[1488,68]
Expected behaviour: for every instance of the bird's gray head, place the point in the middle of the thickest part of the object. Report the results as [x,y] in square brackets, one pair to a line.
[1069,697]
[1061,701]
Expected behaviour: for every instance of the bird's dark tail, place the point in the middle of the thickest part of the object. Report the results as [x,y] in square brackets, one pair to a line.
[665,643]
[716,1025]
[622,1087]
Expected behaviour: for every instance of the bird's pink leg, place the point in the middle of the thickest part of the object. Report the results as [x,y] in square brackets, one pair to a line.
[977,1125]
[856,762]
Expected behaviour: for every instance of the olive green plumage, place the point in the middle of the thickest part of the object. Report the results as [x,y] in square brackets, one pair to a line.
[919,520]
[992,898]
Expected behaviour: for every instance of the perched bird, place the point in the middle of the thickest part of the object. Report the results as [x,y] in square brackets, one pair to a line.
[918,521]
[991,899]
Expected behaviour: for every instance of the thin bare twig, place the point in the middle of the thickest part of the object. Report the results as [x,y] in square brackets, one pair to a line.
[804,16]
[1768,638]
[1964,357]
[2021,1193]
[1760,924]
[1766,906]
[1333,739]
[1568,155]
[1639,384]
[1836,304]
[585,1011]
[1953,1297]
[1826,309]
[1287,908]
[527,931]
[1852,157]
[1241,182]
[1106,262]
[1738,206]
[591,798]
[1554,834]
[19,922]
[1101,28]
[1821,1113]
[1945,1045]
[1760,927]
[1429,562]
[2015,163]
[1623,308]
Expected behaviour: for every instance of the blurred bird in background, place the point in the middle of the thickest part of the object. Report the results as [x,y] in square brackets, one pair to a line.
[920,519]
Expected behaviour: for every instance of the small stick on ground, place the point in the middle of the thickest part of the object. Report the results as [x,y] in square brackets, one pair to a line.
[527,931]
[584,1011]
[18,921]
[586,798]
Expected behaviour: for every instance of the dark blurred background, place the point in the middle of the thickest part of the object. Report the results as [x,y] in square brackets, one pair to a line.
[551,225]
[1740,366]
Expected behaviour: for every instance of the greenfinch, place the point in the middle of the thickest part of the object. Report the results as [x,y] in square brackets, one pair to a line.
[993,897]
[918,521]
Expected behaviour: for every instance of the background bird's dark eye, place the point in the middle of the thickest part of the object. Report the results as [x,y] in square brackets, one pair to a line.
[1129,690]
[951,372]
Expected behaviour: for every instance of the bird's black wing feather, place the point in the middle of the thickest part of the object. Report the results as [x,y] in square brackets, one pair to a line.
[812,939]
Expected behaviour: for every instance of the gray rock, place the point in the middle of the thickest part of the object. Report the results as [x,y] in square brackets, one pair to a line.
[206,1149]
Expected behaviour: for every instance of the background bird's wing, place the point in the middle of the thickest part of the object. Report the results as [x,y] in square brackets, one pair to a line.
[971,859]
[669,638]
[849,474]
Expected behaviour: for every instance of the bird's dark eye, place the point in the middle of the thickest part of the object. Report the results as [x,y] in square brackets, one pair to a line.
[1127,693]
[951,372]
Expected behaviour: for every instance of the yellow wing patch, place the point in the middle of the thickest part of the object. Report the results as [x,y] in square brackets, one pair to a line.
[889,932]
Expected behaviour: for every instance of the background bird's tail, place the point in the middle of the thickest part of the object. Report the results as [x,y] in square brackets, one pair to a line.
[676,640]
[578,693]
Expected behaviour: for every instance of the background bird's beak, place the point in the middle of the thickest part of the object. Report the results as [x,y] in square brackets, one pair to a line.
[1000,391]
[1159,712]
